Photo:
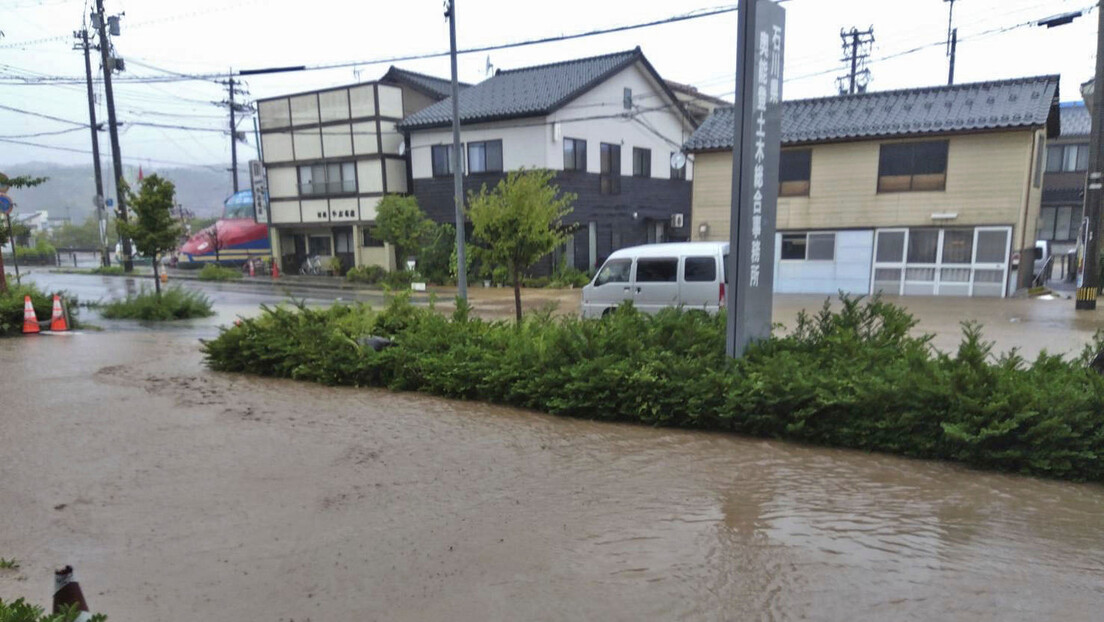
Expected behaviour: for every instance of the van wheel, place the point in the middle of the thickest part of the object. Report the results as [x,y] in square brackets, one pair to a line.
[607,312]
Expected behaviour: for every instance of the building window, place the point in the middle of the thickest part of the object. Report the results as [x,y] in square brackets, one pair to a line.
[794,168]
[485,156]
[1059,223]
[642,162]
[904,167]
[370,237]
[678,173]
[442,160]
[320,245]
[331,178]
[610,179]
[808,246]
[575,155]
[1067,158]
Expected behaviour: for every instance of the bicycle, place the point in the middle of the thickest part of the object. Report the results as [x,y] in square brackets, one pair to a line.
[312,266]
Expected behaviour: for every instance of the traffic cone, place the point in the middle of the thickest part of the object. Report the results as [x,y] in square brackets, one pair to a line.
[252,268]
[30,321]
[57,319]
[275,270]
[67,592]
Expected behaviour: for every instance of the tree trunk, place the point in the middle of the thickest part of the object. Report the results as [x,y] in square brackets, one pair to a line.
[3,277]
[517,293]
[156,277]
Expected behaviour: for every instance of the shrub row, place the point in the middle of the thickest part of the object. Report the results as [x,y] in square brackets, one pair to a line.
[855,378]
[11,307]
[214,272]
[175,303]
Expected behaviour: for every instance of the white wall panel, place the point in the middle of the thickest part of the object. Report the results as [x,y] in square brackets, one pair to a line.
[333,105]
[345,210]
[308,144]
[274,114]
[365,140]
[316,210]
[283,182]
[369,176]
[396,175]
[849,271]
[391,136]
[368,208]
[304,109]
[337,142]
[277,147]
[363,101]
[390,101]
[284,211]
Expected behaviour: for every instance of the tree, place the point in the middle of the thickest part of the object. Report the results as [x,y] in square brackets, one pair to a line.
[24,181]
[85,235]
[153,228]
[519,222]
[212,235]
[402,224]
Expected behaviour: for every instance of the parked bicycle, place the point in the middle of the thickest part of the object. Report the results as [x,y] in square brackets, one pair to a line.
[312,266]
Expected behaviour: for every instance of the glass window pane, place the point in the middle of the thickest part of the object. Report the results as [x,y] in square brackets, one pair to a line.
[348,177]
[494,155]
[895,159]
[657,270]
[477,158]
[614,271]
[1075,222]
[1082,157]
[922,245]
[795,165]
[822,246]
[992,246]
[891,246]
[1069,162]
[793,245]
[1062,222]
[1046,223]
[958,246]
[581,155]
[606,164]
[569,154]
[700,270]
[930,157]
[1054,159]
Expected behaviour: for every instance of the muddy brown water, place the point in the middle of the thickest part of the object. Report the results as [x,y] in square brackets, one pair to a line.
[181,494]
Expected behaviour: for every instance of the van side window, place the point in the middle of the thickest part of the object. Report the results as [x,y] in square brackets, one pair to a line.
[700,270]
[614,271]
[656,270]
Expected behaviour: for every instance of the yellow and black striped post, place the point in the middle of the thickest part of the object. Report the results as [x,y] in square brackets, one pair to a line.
[1086,298]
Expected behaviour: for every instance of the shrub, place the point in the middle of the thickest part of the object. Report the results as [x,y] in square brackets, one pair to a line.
[435,259]
[366,274]
[214,272]
[11,307]
[41,253]
[109,270]
[855,378]
[22,611]
[175,303]
[399,279]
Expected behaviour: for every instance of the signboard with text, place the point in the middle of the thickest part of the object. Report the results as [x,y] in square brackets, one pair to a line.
[260,191]
[755,152]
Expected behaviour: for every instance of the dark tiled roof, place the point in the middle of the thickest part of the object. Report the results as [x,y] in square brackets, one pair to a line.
[1023,102]
[1075,119]
[529,91]
[438,88]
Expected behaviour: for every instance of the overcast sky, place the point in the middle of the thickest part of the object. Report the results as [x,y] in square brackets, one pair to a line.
[202,36]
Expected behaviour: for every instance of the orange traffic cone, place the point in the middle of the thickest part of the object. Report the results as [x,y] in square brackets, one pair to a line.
[252,268]
[275,270]
[30,321]
[67,592]
[57,319]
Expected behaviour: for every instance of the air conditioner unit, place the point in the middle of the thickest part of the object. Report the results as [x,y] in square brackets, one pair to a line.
[677,221]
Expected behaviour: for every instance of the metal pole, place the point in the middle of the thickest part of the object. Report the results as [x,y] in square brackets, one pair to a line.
[233,135]
[113,128]
[954,45]
[105,258]
[1088,288]
[745,25]
[457,174]
[854,57]
[15,258]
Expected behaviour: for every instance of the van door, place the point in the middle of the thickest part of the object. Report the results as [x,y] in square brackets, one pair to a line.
[700,288]
[656,285]
[610,288]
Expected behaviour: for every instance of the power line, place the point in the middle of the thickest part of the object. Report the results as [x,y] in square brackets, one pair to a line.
[75,150]
[54,133]
[44,116]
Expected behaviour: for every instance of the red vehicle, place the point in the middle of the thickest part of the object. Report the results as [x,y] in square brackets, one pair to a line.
[238,235]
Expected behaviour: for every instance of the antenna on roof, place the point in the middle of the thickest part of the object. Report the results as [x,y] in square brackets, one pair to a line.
[490,68]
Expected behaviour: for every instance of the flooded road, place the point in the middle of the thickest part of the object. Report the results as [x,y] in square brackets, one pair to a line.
[181,494]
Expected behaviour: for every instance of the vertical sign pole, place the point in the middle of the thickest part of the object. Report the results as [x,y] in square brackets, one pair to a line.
[1088,280]
[755,152]
[15,259]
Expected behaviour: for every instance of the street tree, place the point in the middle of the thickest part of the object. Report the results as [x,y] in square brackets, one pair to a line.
[85,235]
[519,222]
[24,181]
[402,224]
[214,239]
[153,228]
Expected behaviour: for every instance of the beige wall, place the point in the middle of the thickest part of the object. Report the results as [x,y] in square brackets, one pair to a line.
[988,183]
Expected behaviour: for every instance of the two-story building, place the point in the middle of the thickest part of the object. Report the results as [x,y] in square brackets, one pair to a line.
[928,191]
[1067,162]
[329,156]
[610,128]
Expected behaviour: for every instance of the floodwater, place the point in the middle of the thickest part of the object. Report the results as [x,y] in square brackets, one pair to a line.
[182,494]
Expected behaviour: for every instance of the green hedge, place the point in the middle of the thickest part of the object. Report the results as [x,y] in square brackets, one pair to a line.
[11,307]
[175,303]
[855,378]
[20,610]
[213,272]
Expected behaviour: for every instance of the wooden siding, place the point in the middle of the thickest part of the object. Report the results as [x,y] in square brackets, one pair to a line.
[988,183]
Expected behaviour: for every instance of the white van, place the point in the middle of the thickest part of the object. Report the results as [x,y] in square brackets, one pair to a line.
[656,276]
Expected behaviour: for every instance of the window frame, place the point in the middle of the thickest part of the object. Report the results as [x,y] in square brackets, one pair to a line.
[642,162]
[609,177]
[486,146]
[647,261]
[699,258]
[798,187]
[367,240]
[916,167]
[435,149]
[609,262]
[322,185]
[576,153]
[806,243]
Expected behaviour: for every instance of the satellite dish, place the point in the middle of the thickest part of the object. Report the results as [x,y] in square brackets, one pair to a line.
[678,160]
[402,148]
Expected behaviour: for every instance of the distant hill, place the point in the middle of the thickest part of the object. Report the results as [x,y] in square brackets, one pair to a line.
[70,189]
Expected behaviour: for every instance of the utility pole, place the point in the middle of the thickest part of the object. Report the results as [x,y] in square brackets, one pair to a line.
[99,21]
[856,49]
[232,86]
[1088,282]
[105,257]
[457,174]
[954,45]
